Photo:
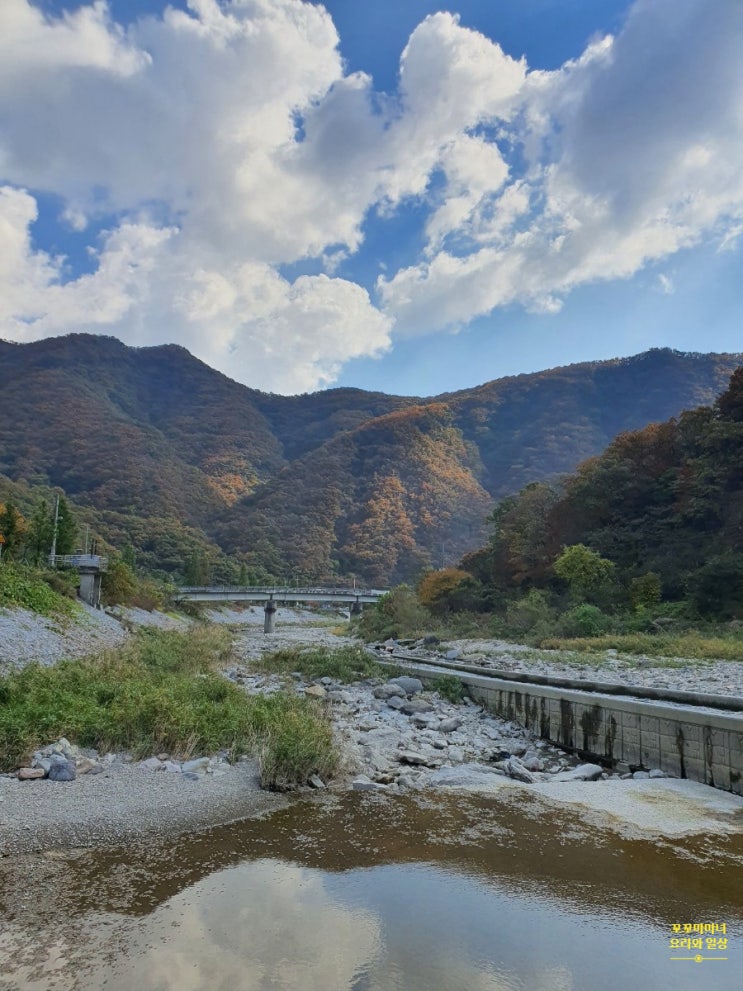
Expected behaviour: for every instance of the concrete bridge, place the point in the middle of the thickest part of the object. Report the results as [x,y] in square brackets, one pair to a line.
[273,596]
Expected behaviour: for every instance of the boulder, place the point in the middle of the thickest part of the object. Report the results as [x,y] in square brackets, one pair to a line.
[449,725]
[583,772]
[62,770]
[415,706]
[515,769]
[315,691]
[411,686]
[388,691]
[31,773]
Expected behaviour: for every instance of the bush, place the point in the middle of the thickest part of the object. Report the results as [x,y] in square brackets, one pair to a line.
[397,614]
[26,588]
[584,620]
[524,614]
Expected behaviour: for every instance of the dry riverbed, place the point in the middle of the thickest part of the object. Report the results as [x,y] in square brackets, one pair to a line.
[396,738]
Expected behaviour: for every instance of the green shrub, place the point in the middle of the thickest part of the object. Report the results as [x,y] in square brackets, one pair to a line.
[26,588]
[397,614]
[584,620]
[449,687]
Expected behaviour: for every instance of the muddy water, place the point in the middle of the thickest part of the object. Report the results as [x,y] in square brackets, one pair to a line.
[364,892]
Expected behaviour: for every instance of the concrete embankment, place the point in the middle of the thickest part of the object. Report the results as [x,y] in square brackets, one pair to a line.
[691,735]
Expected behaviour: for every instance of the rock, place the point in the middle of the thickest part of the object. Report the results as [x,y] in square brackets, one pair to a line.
[455,754]
[640,775]
[396,702]
[415,706]
[338,696]
[416,759]
[656,773]
[424,720]
[362,783]
[31,773]
[315,781]
[43,762]
[389,691]
[163,757]
[449,725]
[192,776]
[583,772]
[408,781]
[515,769]
[326,681]
[84,765]
[172,767]
[199,765]
[151,764]
[315,691]
[62,770]
[475,777]
[533,764]
[452,655]
[411,686]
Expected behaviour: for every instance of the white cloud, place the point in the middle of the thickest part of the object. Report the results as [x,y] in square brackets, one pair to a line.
[634,152]
[218,144]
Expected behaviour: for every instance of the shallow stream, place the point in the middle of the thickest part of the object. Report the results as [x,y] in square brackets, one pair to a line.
[365,892]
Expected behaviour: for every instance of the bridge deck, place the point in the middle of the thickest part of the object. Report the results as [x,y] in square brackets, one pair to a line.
[277,594]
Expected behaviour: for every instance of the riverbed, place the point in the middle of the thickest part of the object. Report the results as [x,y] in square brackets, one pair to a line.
[370,891]
[529,887]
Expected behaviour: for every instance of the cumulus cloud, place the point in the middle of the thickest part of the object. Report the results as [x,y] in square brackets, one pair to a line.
[203,150]
[633,152]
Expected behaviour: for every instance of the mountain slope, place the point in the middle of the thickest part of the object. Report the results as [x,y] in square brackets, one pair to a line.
[165,452]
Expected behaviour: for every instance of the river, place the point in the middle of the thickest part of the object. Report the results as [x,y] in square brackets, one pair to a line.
[367,892]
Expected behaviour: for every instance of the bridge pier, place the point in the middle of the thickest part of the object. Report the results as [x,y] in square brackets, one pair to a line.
[270,611]
[356,608]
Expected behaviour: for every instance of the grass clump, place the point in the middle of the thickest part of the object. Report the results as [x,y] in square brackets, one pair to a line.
[25,588]
[162,692]
[344,664]
[449,687]
[691,645]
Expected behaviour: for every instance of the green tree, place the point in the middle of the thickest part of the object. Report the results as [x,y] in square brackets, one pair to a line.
[588,575]
[13,529]
[645,590]
[66,529]
[39,535]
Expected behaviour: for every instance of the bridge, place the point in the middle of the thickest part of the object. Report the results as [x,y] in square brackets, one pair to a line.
[274,596]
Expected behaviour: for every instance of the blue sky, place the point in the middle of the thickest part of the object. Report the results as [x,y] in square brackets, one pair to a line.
[407,196]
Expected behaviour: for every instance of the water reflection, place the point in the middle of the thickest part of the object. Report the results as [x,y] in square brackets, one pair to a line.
[367,894]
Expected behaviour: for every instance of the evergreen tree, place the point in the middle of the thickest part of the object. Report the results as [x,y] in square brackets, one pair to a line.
[66,529]
[39,537]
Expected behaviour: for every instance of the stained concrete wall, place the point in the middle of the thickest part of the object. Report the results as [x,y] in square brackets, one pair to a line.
[625,733]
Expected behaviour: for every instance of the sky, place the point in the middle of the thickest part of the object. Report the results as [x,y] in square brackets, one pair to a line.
[401,195]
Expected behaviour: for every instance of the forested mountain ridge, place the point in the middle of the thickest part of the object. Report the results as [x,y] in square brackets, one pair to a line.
[661,510]
[163,452]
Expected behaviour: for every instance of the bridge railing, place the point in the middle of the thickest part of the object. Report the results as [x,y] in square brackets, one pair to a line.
[282,590]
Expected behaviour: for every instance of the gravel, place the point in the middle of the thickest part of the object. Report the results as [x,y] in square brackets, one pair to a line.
[123,804]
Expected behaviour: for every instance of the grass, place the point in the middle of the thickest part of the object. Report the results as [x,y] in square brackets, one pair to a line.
[666,645]
[162,692]
[449,687]
[344,664]
[24,587]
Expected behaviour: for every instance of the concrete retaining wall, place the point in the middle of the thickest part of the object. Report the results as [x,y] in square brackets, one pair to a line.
[623,732]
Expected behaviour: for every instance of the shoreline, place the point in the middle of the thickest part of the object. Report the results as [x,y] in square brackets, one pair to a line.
[127,803]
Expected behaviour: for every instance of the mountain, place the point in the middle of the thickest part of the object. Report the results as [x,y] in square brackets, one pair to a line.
[160,451]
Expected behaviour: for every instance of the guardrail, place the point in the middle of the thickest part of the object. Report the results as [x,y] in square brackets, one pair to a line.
[95,561]
[283,590]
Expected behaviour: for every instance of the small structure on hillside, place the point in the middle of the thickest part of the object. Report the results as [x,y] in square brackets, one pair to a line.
[90,567]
